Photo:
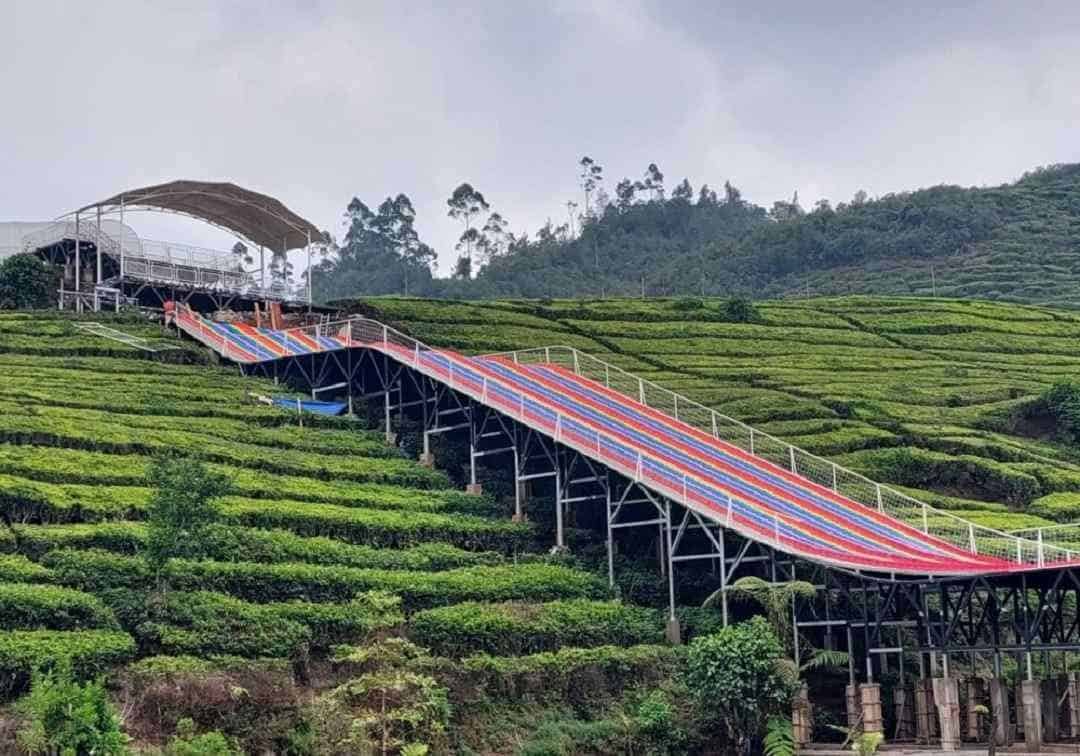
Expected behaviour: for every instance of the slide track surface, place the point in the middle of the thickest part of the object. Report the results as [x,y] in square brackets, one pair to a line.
[719,480]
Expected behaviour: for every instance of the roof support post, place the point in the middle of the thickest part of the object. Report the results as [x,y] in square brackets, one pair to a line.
[97,245]
[308,248]
[78,267]
[121,236]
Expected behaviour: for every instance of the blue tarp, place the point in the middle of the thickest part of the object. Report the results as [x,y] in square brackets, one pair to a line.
[310,405]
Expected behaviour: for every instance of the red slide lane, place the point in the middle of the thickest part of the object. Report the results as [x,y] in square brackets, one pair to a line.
[914,563]
[902,528]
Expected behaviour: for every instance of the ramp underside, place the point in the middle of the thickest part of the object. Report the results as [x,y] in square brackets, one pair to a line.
[720,481]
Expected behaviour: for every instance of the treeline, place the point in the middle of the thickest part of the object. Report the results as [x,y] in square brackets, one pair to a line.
[700,241]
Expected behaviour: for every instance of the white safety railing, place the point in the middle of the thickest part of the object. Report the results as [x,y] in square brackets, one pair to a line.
[854,486]
[166,262]
[978,540]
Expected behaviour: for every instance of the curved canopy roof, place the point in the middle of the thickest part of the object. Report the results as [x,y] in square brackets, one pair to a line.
[256,217]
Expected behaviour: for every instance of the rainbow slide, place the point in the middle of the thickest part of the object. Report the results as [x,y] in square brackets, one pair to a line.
[718,480]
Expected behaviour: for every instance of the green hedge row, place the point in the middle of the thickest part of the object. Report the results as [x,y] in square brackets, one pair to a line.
[91,652]
[358,441]
[50,502]
[109,437]
[1063,506]
[16,568]
[204,623]
[77,466]
[239,544]
[28,606]
[386,528]
[571,675]
[262,583]
[515,628]
[918,467]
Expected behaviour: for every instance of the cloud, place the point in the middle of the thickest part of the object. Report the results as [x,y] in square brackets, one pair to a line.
[315,102]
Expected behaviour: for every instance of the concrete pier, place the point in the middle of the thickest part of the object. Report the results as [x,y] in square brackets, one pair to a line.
[1031,696]
[947,699]
[999,706]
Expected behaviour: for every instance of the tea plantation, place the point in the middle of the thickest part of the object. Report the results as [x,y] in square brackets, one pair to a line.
[938,397]
[334,553]
[328,540]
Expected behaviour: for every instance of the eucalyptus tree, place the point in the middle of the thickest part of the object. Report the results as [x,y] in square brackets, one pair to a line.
[466,203]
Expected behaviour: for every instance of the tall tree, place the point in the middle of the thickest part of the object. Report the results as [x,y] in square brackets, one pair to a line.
[494,238]
[395,224]
[683,191]
[653,183]
[732,196]
[787,211]
[707,197]
[465,203]
[241,255]
[592,174]
[624,193]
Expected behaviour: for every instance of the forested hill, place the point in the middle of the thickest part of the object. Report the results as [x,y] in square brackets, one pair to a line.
[1017,241]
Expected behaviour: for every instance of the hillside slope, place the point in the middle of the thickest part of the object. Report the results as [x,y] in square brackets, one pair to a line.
[328,537]
[922,393]
[1017,242]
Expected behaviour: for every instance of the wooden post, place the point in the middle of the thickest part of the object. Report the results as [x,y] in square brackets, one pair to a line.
[801,719]
[870,701]
[975,694]
[925,715]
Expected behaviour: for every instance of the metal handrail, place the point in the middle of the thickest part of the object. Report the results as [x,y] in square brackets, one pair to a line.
[974,537]
[755,436]
[1032,552]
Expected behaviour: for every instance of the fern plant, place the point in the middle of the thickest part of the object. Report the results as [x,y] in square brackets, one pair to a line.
[779,737]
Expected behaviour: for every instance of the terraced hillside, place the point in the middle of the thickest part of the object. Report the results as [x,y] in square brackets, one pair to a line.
[328,537]
[925,394]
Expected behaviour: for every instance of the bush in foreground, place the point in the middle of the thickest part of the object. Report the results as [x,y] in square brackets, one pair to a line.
[736,677]
[65,716]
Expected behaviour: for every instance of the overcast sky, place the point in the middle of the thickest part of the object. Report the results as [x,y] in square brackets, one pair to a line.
[318,101]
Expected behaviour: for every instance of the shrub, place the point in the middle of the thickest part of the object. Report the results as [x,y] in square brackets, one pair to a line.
[1063,402]
[182,507]
[89,652]
[741,311]
[233,543]
[26,283]
[1060,507]
[66,716]
[392,702]
[50,607]
[188,743]
[578,676]
[255,702]
[516,628]
[261,583]
[735,676]
[17,568]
